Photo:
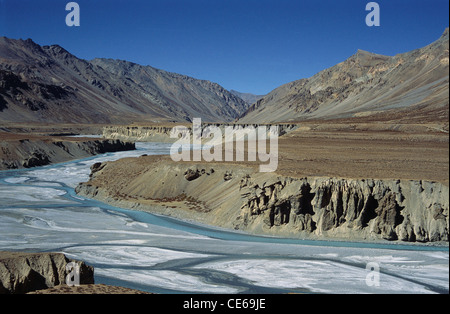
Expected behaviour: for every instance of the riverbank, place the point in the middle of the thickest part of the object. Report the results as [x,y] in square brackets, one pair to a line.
[26,150]
[238,197]
[46,273]
[41,213]
[356,148]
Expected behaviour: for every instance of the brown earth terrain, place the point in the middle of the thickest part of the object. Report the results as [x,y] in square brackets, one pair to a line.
[356,148]
[25,150]
[397,172]
[366,150]
[88,289]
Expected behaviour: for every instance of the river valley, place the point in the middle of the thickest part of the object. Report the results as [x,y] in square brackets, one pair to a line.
[40,211]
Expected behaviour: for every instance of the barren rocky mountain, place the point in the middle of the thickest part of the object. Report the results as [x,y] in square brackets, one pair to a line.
[412,85]
[239,197]
[49,84]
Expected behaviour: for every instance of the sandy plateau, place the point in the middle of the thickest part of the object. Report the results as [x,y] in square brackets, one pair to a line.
[357,181]
[367,150]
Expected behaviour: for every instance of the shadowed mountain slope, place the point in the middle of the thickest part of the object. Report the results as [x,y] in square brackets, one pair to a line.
[249,98]
[49,84]
[412,85]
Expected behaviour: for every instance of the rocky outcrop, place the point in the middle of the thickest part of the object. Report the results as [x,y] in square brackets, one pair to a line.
[139,133]
[393,210]
[26,272]
[237,197]
[162,133]
[33,152]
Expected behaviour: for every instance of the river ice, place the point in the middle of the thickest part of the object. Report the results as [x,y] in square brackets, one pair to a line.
[39,211]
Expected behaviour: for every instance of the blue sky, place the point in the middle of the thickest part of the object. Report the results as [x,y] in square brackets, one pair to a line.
[247,45]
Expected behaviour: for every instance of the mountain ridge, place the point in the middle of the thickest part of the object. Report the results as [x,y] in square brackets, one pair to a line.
[365,84]
[249,98]
[48,84]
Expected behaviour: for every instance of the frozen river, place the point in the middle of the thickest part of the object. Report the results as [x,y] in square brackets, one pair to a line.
[39,211]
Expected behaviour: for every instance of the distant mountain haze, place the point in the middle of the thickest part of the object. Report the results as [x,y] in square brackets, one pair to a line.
[249,98]
[48,84]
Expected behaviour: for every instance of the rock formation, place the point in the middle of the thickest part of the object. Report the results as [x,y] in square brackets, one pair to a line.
[26,272]
[30,151]
[393,210]
[238,197]
[162,133]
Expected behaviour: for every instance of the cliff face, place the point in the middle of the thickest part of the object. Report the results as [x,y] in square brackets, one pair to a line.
[25,272]
[393,210]
[237,197]
[162,133]
[139,133]
[29,151]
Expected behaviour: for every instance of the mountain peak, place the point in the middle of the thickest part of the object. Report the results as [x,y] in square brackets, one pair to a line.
[30,43]
[445,33]
[366,58]
[50,84]
[366,83]
[56,49]
[27,41]
[363,52]
[19,42]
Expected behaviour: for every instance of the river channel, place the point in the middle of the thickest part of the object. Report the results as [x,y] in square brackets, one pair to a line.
[40,212]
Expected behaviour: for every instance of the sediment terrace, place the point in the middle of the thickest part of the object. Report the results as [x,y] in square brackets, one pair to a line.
[161,133]
[348,149]
[336,179]
[28,150]
[239,197]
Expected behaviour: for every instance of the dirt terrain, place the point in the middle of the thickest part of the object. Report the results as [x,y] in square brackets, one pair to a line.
[25,150]
[366,150]
[396,148]
[88,289]
[390,169]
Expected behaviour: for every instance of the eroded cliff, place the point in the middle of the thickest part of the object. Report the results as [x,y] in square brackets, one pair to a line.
[27,150]
[237,197]
[161,133]
[26,272]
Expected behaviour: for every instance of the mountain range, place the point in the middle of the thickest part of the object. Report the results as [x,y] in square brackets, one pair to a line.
[48,84]
[249,98]
[411,85]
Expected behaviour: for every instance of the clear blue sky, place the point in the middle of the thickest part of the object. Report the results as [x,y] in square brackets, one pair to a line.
[247,45]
